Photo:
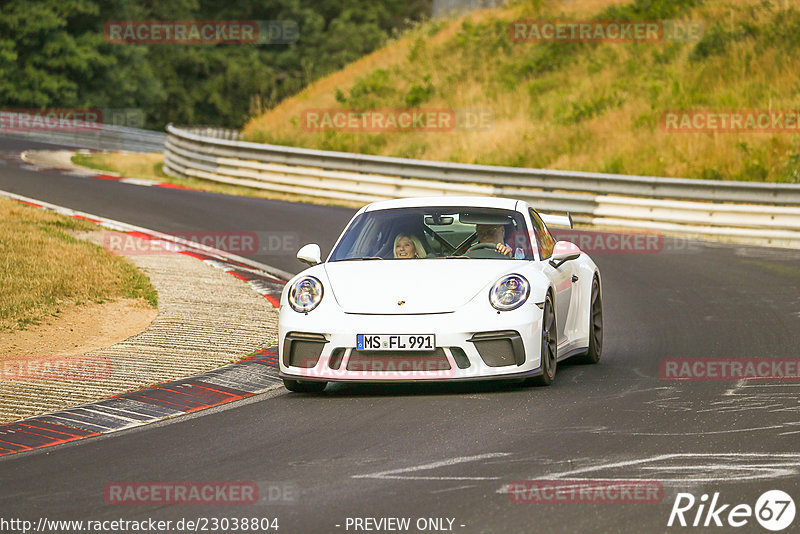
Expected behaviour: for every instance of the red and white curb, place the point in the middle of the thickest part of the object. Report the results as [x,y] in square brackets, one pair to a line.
[256,374]
[21,161]
[253,375]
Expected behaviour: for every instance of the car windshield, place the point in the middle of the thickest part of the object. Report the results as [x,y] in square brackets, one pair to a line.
[435,233]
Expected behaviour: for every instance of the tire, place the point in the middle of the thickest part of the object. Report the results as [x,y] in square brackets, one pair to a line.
[304,387]
[595,325]
[549,346]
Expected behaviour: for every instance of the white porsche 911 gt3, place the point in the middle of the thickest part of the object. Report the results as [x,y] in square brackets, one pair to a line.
[440,289]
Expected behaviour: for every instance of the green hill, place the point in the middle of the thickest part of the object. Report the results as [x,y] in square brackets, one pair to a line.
[591,106]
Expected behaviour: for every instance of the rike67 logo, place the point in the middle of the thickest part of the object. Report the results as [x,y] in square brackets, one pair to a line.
[774,510]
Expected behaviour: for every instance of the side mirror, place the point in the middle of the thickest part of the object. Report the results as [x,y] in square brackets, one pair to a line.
[564,251]
[310,254]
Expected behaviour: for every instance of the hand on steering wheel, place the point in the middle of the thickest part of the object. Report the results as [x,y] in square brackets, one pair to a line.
[499,247]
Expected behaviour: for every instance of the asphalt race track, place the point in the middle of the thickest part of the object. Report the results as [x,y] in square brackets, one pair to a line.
[172,210]
[450,451]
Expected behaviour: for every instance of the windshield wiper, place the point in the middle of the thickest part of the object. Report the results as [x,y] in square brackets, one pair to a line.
[363,258]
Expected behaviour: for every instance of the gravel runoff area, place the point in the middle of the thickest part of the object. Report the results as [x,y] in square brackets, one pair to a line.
[206,318]
[59,159]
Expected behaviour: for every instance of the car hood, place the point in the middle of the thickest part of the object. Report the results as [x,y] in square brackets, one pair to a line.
[423,286]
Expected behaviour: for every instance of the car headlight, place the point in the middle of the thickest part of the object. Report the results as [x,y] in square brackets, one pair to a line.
[510,292]
[305,294]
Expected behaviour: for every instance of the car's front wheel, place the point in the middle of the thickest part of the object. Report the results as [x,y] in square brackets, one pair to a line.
[304,387]
[549,346]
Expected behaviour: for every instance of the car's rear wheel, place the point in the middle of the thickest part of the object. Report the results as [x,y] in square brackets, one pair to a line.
[549,346]
[304,387]
[595,325]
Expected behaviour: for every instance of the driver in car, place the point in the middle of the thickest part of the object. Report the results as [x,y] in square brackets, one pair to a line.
[490,242]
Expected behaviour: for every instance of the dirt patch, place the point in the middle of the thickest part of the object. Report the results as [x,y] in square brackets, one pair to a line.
[78,330]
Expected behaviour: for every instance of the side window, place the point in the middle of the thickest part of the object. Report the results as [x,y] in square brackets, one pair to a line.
[544,240]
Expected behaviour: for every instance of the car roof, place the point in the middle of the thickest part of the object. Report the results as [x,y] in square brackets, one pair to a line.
[478,202]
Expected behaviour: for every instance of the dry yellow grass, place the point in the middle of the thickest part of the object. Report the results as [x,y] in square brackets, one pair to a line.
[43,270]
[588,107]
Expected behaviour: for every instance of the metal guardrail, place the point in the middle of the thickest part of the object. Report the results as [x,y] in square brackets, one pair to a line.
[760,212]
[215,132]
[102,137]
